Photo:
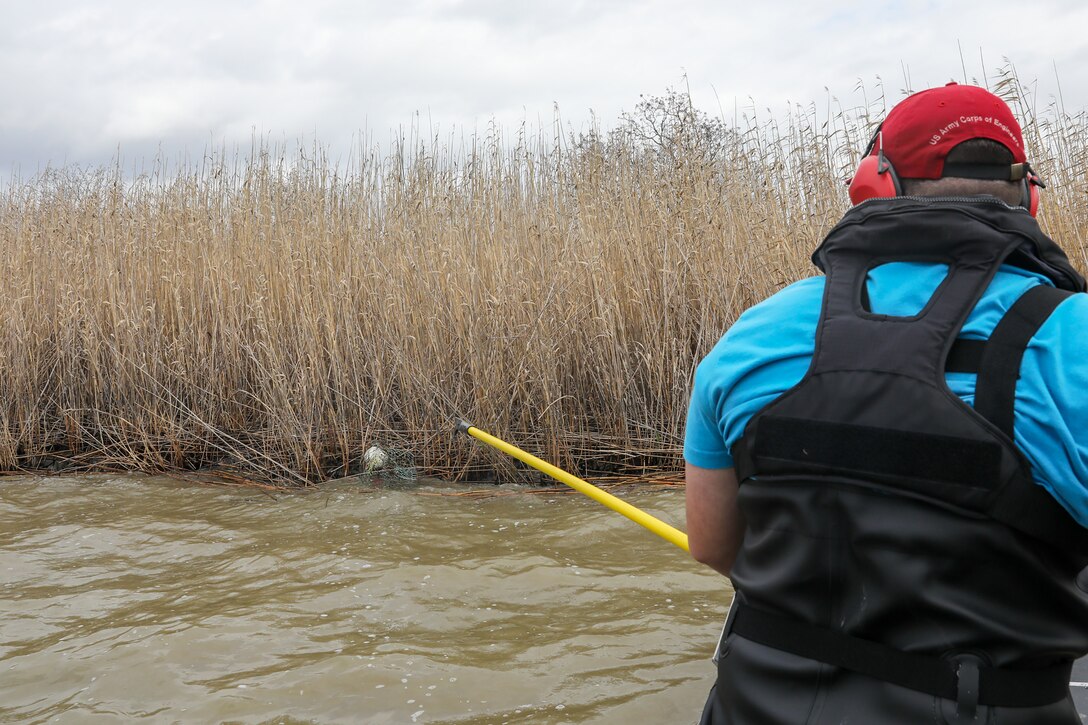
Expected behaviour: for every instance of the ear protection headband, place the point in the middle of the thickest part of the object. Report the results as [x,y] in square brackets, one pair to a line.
[1030,183]
[876,178]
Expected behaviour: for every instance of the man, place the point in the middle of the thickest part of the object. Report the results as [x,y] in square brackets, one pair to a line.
[891,461]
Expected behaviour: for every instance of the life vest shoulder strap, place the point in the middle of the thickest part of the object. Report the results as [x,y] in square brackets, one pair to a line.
[1021,503]
[999,367]
[966,355]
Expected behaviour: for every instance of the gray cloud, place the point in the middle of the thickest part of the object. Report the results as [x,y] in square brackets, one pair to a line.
[82,80]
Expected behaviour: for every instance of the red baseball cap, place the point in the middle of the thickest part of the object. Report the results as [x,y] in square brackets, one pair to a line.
[921,129]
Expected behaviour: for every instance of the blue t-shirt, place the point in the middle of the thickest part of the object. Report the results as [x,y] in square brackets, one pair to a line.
[770,347]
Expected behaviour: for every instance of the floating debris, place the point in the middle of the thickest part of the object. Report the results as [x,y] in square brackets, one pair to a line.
[397,461]
[375,458]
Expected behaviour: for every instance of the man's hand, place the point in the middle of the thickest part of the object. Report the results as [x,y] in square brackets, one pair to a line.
[715,523]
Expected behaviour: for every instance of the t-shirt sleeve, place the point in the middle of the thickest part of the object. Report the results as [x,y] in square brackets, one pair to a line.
[704,445]
[1051,425]
[764,354]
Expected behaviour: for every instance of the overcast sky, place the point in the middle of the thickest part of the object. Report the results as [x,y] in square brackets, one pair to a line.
[81,80]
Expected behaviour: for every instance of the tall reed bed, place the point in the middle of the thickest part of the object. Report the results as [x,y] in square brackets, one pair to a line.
[277,313]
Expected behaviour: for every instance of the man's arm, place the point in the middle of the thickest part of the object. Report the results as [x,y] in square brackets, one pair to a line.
[715,523]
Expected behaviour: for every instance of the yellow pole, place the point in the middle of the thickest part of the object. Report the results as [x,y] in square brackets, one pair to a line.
[659,527]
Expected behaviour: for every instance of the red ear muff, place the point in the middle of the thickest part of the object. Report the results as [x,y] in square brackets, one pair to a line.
[874,179]
[1029,199]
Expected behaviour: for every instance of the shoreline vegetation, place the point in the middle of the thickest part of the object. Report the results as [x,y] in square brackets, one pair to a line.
[270,316]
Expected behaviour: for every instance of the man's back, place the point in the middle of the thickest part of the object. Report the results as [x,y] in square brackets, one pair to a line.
[899,547]
[769,349]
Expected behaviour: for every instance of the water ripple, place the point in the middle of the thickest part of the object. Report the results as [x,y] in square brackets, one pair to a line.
[130,598]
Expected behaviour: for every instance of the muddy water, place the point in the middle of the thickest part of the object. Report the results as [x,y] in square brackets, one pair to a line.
[144,599]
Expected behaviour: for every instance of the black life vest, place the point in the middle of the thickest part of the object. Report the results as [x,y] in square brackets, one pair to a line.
[892,529]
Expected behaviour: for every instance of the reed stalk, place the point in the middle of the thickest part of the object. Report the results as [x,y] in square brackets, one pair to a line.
[277,313]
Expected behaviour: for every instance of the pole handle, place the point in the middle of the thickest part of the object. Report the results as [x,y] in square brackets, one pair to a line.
[668,533]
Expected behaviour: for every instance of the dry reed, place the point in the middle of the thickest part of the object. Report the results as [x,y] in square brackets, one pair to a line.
[275,313]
